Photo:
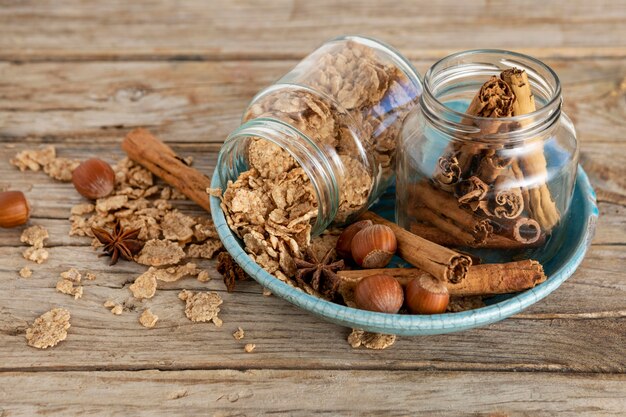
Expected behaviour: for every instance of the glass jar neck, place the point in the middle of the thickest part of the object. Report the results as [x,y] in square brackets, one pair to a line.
[319,167]
[451,83]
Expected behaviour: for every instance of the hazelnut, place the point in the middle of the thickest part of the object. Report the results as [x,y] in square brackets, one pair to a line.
[14,209]
[380,293]
[427,295]
[374,246]
[344,243]
[94,179]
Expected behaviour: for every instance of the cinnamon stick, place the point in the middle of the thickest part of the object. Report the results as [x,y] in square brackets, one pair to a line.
[508,200]
[541,206]
[447,206]
[441,262]
[154,155]
[457,238]
[486,279]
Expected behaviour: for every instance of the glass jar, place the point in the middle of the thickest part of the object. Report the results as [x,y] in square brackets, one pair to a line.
[336,116]
[498,183]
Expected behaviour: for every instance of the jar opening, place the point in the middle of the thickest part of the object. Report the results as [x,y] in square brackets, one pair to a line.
[232,161]
[451,83]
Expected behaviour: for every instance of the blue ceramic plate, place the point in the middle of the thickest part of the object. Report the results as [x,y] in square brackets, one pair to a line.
[580,231]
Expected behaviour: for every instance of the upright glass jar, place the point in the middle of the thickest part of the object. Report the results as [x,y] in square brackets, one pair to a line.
[476,182]
[337,116]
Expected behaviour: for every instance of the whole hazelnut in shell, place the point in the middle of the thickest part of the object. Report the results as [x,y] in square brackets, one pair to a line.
[344,243]
[381,293]
[427,295]
[374,246]
[94,179]
[14,209]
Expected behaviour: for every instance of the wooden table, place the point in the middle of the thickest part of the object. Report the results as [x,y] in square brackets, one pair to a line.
[81,74]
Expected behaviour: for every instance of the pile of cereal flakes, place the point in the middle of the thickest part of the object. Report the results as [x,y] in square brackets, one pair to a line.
[173,239]
[272,205]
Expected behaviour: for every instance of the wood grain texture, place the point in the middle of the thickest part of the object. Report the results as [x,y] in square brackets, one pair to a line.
[287,337]
[256,392]
[197,29]
[204,101]
[82,74]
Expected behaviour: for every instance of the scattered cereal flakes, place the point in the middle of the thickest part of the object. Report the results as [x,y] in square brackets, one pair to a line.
[66,286]
[206,250]
[174,273]
[160,252]
[109,304]
[202,306]
[266,292]
[203,276]
[81,209]
[71,274]
[34,159]
[36,255]
[230,271]
[177,226]
[145,285]
[214,192]
[61,169]
[249,347]
[26,272]
[217,321]
[90,276]
[117,310]
[148,319]
[34,236]
[375,341]
[458,304]
[115,202]
[204,229]
[238,334]
[48,329]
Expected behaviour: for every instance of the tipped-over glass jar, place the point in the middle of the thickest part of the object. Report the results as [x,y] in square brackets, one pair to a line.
[487,160]
[318,146]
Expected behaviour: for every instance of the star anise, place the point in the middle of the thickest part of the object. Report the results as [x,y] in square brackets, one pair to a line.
[319,274]
[119,242]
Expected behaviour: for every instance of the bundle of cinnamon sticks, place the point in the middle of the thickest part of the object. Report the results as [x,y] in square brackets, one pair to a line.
[483,195]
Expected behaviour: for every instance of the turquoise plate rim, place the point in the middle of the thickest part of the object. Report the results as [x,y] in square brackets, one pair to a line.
[411,325]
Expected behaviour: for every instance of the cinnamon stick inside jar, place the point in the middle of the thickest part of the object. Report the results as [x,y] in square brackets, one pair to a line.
[441,262]
[541,206]
[485,280]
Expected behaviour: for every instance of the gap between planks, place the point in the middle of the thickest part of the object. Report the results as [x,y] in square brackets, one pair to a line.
[426,366]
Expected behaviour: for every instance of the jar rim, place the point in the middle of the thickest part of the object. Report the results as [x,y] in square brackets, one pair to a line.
[526,62]
[274,130]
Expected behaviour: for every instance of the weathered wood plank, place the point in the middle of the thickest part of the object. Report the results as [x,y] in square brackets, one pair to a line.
[291,28]
[203,101]
[306,393]
[593,331]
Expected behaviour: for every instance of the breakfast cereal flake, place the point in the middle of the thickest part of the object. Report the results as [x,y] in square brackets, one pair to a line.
[201,306]
[238,334]
[160,252]
[148,319]
[26,272]
[370,340]
[49,329]
[36,255]
[145,285]
[34,236]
